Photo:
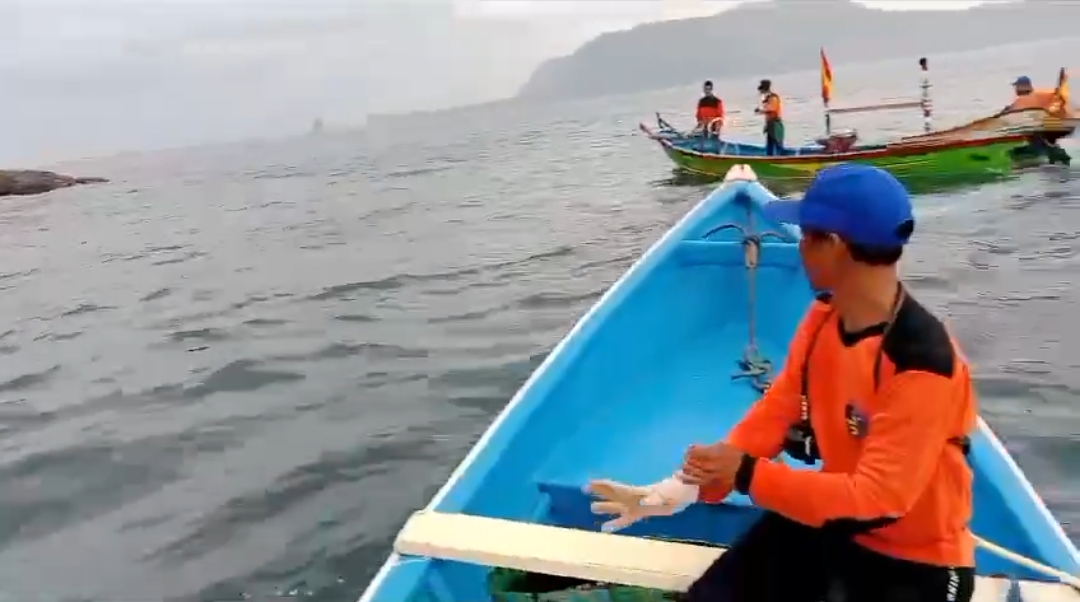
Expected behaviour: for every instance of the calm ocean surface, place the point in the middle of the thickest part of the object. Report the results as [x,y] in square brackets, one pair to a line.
[234,371]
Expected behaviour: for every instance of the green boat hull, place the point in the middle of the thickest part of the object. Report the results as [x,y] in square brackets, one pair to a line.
[924,173]
[986,148]
[992,159]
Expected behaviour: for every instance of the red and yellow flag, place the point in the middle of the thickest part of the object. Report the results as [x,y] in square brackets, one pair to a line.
[826,79]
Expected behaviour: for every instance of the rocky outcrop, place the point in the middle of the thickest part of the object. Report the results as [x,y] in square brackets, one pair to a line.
[30,181]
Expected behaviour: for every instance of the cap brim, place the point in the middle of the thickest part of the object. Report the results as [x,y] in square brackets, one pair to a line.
[784,212]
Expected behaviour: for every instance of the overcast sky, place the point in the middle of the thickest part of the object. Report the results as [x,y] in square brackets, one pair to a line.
[87,77]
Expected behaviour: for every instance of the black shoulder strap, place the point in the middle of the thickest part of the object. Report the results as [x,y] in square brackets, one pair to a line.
[898,302]
[804,386]
[804,374]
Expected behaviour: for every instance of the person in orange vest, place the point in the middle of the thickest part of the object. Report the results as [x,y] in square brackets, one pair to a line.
[710,111]
[773,110]
[1027,97]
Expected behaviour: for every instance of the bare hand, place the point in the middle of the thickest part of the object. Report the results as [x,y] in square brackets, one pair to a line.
[711,463]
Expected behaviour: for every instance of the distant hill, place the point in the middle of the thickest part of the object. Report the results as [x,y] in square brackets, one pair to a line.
[767,38]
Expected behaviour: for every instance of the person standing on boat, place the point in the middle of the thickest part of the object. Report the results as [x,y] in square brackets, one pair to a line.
[876,389]
[772,108]
[710,111]
[1027,97]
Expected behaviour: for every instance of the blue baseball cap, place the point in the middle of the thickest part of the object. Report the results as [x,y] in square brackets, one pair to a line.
[1023,80]
[859,203]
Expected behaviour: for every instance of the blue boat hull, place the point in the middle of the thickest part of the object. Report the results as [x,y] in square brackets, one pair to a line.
[648,370]
[732,148]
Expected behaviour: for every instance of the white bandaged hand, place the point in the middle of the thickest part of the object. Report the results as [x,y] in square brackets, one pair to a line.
[631,503]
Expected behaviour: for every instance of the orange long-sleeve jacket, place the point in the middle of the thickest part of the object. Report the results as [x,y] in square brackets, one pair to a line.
[892,444]
[709,108]
[1037,99]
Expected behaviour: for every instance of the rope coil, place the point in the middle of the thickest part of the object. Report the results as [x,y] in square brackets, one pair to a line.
[753,366]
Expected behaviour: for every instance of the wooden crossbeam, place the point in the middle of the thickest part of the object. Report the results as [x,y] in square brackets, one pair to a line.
[608,558]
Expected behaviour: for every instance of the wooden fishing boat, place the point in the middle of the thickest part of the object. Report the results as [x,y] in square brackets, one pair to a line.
[988,146]
[932,157]
[673,353]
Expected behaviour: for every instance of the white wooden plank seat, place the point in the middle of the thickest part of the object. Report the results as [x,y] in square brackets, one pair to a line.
[609,558]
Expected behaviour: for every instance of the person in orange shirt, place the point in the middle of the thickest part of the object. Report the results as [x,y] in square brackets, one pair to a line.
[710,111]
[772,108]
[1044,144]
[876,389]
[1027,97]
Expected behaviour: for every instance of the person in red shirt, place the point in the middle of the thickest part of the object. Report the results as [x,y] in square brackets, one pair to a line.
[710,111]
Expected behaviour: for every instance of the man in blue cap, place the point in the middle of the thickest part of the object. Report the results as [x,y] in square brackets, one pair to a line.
[1027,97]
[1022,86]
[875,389]
[1045,143]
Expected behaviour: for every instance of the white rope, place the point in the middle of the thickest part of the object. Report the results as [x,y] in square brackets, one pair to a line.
[1066,578]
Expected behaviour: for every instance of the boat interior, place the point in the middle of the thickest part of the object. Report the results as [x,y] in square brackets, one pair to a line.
[654,367]
[838,143]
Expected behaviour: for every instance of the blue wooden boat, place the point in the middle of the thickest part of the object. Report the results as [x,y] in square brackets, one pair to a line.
[674,353]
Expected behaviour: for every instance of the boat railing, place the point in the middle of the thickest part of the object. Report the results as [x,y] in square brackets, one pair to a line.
[924,102]
[883,106]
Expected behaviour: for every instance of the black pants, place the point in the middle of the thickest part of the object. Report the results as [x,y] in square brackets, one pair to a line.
[1043,145]
[779,560]
[774,143]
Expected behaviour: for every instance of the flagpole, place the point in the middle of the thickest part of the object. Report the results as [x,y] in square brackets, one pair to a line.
[927,106]
[826,90]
